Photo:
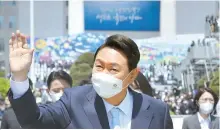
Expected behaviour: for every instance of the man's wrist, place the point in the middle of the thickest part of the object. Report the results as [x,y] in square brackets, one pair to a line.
[19,78]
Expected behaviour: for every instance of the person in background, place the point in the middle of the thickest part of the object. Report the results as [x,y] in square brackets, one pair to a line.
[9,119]
[218,109]
[141,84]
[7,103]
[57,81]
[2,106]
[205,102]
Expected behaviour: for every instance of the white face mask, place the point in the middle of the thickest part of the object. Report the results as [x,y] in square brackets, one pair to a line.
[206,108]
[55,96]
[106,85]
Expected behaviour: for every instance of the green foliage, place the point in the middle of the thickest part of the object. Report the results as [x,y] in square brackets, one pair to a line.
[172,113]
[80,72]
[2,74]
[82,68]
[214,83]
[201,81]
[4,87]
[87,57]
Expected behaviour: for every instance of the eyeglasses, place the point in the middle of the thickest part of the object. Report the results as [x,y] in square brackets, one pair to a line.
[207,99]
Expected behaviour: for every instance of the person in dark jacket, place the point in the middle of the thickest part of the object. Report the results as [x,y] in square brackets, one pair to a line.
[205,102]
[9,119]
[142,85]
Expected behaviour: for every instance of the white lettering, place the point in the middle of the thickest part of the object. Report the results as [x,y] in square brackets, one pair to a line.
[119,15]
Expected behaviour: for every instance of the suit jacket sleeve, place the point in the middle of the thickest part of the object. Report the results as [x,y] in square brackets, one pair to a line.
[49,116]
[4,122]
[168,123]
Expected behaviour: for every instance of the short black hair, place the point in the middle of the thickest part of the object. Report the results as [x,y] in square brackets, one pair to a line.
[59,75]
[199,94]
[143,84]
[30,83]
[124,44]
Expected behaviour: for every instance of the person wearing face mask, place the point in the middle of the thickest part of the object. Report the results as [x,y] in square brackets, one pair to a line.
[109,103]
[205,100]
[57,81]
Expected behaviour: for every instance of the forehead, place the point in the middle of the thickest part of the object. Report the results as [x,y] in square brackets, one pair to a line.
[111,56]
[59,83]
[206,95]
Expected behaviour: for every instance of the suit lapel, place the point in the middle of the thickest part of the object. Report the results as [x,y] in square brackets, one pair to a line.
[141,114]
[95,110]
[196,122]
[212,123]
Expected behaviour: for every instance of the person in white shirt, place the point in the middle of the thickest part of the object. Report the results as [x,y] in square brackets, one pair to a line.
[205,101]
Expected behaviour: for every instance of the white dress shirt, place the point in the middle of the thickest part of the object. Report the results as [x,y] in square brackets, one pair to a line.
[125,114]
[204,123]
[19,88]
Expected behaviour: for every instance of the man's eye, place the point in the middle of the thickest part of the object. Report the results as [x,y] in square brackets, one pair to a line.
[114,70]
[98,66]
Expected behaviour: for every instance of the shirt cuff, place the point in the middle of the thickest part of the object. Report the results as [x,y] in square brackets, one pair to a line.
[19,88]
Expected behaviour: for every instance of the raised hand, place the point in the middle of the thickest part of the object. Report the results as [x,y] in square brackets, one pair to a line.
[20,56]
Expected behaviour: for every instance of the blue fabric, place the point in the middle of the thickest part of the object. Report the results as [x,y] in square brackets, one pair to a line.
[115,117]
[81,108]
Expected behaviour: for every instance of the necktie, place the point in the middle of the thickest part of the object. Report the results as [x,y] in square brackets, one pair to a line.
[115,123]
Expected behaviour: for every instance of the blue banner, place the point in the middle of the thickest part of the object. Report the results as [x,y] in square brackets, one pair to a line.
[122,15]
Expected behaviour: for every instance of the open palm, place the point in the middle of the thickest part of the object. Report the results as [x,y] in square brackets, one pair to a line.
[20,56]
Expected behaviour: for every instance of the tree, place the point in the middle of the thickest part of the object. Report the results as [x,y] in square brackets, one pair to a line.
[80,72]
[82,68]
[201,81]
[87,57]
[4,87]
[214,83]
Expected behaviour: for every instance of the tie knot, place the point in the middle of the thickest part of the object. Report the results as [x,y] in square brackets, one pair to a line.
[115,112]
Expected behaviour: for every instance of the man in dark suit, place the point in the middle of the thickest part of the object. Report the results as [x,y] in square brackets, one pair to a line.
[107,104]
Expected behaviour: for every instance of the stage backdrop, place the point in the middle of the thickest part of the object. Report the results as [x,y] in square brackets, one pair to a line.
[122,15]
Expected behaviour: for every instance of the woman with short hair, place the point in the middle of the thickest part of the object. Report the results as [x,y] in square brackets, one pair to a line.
[205,102]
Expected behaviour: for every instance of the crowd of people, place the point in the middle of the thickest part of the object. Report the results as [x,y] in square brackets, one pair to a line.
[160,73]
[180,103]
[202,102]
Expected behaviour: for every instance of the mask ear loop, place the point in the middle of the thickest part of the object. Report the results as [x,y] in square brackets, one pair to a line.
[125,79]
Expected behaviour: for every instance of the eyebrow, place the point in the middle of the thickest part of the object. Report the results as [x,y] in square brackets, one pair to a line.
[112,64]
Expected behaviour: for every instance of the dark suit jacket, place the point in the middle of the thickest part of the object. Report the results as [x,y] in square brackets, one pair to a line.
[82,108]
[9,120]
[192,122]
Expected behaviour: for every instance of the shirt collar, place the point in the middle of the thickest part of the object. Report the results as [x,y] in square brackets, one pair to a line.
[123,106]
[201,119]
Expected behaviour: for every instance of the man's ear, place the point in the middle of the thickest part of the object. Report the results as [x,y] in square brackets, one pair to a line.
[134,74]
